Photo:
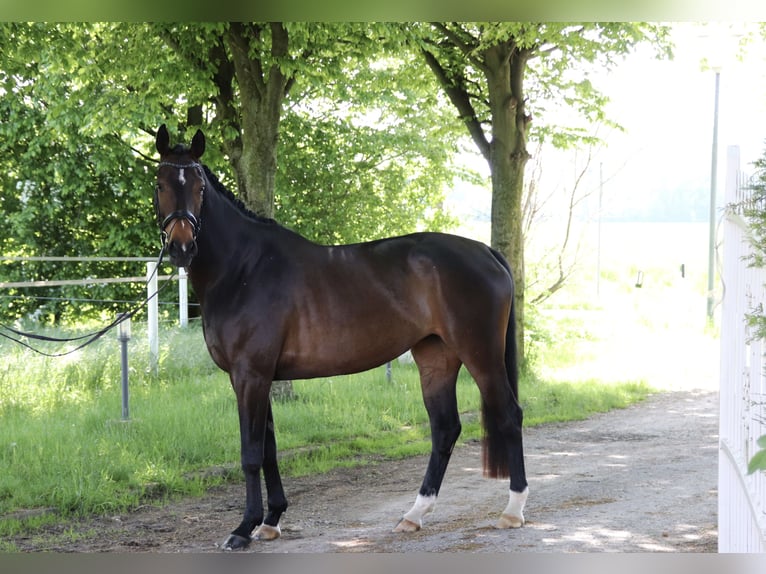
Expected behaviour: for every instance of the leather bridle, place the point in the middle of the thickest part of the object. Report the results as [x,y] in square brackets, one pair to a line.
[194,220]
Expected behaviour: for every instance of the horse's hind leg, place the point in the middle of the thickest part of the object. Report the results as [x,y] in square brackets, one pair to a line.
[504,453]
[438,376]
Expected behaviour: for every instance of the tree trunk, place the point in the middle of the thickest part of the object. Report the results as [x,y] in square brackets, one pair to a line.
[257,166]
[504,70]
[262,92]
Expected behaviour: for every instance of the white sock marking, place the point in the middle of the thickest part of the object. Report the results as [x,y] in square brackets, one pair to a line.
[516,502]
[423,505]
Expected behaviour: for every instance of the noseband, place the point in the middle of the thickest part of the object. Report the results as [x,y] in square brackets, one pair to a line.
[194,220]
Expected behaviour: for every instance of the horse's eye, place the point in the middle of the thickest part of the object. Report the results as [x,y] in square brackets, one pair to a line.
[157,188]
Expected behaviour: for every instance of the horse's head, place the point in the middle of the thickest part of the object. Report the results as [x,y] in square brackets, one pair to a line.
[179,195]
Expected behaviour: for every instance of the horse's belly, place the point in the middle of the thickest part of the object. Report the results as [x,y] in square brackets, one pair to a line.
[341,332]
[340,355]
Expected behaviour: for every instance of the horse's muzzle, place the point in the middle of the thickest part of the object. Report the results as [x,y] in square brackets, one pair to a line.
[181,253]
[181,239]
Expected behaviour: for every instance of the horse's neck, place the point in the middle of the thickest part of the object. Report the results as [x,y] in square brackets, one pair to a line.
[229,239]
[220,224]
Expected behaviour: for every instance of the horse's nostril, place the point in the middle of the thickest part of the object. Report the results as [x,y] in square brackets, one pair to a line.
[182,251]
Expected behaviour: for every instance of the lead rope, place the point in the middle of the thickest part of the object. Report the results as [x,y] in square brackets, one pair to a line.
[88,338]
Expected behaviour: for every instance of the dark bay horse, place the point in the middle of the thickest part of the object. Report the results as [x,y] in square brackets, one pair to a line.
[277,306]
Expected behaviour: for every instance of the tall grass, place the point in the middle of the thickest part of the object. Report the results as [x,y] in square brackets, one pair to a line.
[63,446]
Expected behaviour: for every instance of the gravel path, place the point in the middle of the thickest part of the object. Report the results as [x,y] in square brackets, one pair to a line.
[642,479]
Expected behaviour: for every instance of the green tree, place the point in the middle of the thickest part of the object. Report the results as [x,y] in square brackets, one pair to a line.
[90,96]
[374,153]
[253,76]
[501,75]
[64,192]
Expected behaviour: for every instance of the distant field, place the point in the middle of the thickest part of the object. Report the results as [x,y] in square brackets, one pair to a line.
[657,332]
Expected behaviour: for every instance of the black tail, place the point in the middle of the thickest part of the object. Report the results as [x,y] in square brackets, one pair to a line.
[496,452]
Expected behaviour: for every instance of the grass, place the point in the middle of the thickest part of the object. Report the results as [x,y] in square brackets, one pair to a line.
[64,449]
[63,445]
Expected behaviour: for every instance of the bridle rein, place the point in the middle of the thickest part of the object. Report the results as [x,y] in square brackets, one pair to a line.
[194,220]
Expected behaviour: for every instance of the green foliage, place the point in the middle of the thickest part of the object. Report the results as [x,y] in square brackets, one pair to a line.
[554,82]
[370,161]
[753,209]
[559,74]
[365,151]
[67,191]
[758,462]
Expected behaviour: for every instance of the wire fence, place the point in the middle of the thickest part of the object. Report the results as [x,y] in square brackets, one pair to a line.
[150,280]
[84,282]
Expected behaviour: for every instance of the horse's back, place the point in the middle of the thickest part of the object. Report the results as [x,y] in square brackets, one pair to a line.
[428,266]
[461,265]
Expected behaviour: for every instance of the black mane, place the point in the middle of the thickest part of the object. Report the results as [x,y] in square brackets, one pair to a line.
[238,203]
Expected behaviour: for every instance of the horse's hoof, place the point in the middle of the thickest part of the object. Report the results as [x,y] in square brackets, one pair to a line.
[513,515]
[406,526]
[266,532]
[508,521]
[236,542]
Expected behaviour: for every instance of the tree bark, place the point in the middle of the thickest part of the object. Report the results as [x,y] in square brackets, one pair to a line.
[262,92]
[504,67]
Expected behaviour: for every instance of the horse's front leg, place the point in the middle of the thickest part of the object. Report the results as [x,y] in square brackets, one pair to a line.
[276,501]
[253,406]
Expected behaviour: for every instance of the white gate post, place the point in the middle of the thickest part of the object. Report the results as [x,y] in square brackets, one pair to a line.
[741,497]
[153,315]
[183,298]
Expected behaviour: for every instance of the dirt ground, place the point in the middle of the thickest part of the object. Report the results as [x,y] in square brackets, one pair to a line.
[641,479]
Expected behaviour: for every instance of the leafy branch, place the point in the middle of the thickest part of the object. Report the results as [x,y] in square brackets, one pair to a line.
[758,462]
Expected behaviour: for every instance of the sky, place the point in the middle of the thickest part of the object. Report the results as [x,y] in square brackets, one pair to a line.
[667,108]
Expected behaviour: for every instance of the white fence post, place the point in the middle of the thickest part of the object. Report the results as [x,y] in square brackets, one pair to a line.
[183,298]
[153,315]
[741,497]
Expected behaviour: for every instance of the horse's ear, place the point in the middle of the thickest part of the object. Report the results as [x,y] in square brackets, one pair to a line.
[163,140]
[198,144]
